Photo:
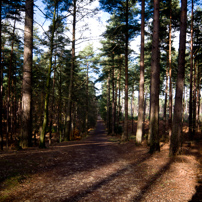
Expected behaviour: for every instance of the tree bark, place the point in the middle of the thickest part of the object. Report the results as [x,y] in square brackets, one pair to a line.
[1,78]
[113,101]
[26,127]
[177,119]
[108,103]
[198,100]
[194,103]
[46,103]
[132,107]
[86,124]
[60,107]
[69,110]
[191,78]
[115,104]
[155,76]
[125,134]
[119,98]
[170,73]
[52,106]
[140,123]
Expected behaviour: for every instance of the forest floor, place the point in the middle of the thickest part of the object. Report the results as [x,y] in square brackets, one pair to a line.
[100,168]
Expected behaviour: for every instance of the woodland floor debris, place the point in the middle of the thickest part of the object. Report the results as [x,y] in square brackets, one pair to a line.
[99,169]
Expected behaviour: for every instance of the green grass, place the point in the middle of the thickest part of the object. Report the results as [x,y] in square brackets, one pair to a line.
[10,184]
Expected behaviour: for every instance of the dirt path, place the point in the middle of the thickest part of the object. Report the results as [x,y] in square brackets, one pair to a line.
[96,169]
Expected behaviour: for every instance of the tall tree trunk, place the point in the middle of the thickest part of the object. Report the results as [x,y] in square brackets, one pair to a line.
[166,98]
[125,134]
[191,78]
[198,99]
[145,106]
[9,100]
[177,119]
[46,103]
[69,110]
[140,122]
[1,86]
[194,102]
[170,73]
[132,107]
[59,107]
[108,103]
[119,98]
[86,124]
[15,104]
[26,127]
[155,76]
[52,106]
[113,105]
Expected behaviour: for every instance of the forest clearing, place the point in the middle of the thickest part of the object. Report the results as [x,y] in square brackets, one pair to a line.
[100,168]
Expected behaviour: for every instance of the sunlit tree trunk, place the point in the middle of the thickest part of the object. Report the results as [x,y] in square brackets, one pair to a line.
[26,127]
[69,110]
[177,119]
[155,77]
[46,103]
[140,122]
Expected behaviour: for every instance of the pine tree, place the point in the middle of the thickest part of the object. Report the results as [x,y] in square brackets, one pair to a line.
[26,128]
[155,76]
[177,119]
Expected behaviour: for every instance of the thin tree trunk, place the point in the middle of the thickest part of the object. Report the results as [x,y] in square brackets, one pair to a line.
[125,134]
[166,98]
[198,100]
[113,107]
[46,103]
[145,106]
[132,107]
[140,123]
[86,124]
[191,78]
[115,104]
[59,107]
[8,129]
[26,127]
[108,103]
[194,102]
[155,77]
[52,107]
[119,98]
[69,110]
[15,105]
[177,119]
[170,74]
[1,88]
